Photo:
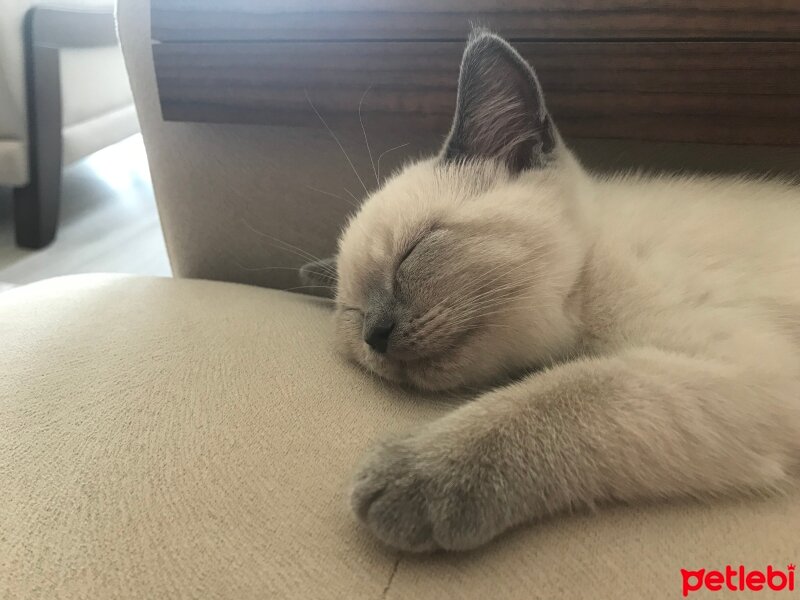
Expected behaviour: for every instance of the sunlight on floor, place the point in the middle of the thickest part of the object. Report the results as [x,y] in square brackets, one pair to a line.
[123,167]
[108,222]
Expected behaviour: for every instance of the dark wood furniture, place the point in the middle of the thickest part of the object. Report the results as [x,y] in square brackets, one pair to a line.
[47,31]
[715,71]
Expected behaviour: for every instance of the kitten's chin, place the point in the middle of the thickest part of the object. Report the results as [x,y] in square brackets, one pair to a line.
[430,374]
[420,379]
[428,381]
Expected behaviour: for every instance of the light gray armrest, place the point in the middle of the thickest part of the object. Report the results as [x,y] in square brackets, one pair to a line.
[55,27]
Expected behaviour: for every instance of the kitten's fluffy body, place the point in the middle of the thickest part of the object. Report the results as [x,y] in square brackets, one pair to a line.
[664,314]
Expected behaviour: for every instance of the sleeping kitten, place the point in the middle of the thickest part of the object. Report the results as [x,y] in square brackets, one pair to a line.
[662,314]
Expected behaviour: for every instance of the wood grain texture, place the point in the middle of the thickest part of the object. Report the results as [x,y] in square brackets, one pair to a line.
[201,20]
[713,92]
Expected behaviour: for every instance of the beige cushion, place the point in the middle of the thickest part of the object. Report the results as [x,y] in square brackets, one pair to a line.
[94,82]
[187,439]
[97,106]
[83,139]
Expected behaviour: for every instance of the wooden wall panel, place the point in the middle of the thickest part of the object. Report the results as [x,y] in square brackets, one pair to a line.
[229,20]
[716,92]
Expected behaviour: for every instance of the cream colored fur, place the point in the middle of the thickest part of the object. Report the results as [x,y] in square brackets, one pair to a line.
[652,323]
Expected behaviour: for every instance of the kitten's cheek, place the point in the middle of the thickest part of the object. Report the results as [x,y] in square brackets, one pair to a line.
[346,341]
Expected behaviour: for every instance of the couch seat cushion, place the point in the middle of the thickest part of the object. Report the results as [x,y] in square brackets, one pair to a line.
[165,438]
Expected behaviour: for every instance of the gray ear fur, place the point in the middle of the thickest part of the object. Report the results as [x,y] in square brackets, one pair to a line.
[500,112]
[320,274]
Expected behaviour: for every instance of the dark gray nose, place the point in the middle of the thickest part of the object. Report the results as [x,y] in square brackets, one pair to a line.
[377,334]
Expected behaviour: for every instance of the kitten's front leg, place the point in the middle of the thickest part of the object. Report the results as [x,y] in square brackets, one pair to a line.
[643,424]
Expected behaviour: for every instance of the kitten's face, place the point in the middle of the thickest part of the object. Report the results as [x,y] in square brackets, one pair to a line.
[459,270]
[456,275]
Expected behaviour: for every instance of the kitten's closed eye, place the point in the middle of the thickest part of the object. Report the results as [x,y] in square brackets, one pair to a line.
[402,261]
[409,251]
[415,244]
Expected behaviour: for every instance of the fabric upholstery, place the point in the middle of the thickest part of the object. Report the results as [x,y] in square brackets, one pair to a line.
[87,137]
[94,84]
[168,438]
[13,162]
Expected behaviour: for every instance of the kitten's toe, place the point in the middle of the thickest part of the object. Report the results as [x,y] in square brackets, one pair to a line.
[389,498]
[420,496]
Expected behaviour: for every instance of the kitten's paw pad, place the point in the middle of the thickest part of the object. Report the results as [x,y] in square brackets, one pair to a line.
[414,500]
[388,497]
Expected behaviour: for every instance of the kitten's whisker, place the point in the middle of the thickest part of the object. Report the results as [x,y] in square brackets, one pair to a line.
[506,310]
[485,325]
[510,286]
[491,293]
[490,303]
[364,131]
[536,258]
[500,310]
[476,283]
[338,143]
[501,301]
[470,311]
[307,287]
[266,268]
[332,195]
[385,152]
[290,247]
[479,282]
[351,194]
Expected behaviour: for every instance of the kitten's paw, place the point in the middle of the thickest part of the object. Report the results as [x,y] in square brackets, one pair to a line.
[419,497]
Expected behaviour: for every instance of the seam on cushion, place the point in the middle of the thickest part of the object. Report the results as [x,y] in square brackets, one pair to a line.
[391,578]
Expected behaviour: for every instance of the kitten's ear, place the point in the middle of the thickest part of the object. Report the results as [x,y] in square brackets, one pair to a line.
[320,274]
[500,112]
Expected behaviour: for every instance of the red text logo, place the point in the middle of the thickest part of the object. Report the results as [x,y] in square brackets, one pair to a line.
[738,579]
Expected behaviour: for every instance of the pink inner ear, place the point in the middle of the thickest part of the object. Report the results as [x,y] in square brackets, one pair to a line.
[499,123]
[500,111]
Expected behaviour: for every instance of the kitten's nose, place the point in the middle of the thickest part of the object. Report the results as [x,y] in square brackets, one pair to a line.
[377,334]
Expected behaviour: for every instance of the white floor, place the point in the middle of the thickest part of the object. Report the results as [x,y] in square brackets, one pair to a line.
[108,222]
